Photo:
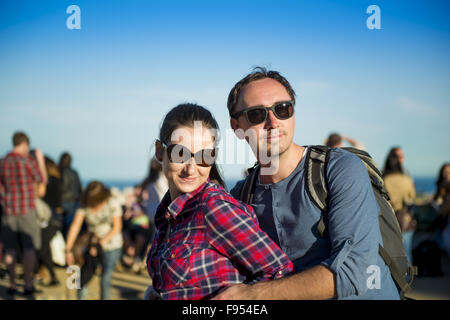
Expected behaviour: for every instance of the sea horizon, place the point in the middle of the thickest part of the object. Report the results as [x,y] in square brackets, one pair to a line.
[423,184]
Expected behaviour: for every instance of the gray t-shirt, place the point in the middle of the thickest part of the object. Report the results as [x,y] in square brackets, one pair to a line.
[101,222]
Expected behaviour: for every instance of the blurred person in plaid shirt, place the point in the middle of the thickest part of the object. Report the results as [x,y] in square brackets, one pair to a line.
[206,240]
[18,174]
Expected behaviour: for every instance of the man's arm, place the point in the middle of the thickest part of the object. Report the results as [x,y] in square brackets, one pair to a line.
[354,143]
[41,165]
[312,284]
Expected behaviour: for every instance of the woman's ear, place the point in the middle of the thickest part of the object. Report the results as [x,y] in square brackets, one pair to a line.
[159,151]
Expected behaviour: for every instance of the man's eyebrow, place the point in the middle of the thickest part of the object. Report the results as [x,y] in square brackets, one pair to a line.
[260,105]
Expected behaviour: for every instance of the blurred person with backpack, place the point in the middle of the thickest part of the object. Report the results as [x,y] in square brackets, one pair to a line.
[334,247]
[70,189]
[402,193]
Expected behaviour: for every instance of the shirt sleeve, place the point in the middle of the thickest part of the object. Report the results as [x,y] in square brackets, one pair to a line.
[236,234]
[353,224]
[33,169]
[81,211]
[115,207]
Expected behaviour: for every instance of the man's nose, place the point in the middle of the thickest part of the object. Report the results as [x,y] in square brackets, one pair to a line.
[271,120]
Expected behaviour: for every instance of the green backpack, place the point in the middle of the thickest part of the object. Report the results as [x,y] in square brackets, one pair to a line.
[393,250]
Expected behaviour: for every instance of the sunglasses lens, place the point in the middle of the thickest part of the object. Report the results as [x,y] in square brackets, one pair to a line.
[208,157]
[178,153]
[257,115]
[284,110]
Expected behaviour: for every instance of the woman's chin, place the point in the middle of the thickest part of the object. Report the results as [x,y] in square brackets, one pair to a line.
[186,187]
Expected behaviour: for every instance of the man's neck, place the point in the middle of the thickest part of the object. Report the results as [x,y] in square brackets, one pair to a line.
[19,150]
[288,161]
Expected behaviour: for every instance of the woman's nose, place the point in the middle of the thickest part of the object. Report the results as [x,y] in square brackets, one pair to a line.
[190,166]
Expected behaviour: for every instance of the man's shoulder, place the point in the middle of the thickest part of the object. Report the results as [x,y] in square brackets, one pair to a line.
[9,155]
[340,159]
[214,192]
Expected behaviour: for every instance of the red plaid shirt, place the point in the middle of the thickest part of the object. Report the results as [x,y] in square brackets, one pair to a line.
[17,177]
[207,240]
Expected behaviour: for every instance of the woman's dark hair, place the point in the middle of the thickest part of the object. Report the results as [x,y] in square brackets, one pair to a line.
[257,74]
[184,115]
[155,169]
[94,194]
[392,163]
[52,168]
[440,182]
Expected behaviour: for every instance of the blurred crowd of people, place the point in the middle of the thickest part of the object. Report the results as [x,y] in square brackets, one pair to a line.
[47,218]
[44,202]
[424,224]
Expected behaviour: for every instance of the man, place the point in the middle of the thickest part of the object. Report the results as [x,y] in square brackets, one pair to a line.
[338,265]
[19,175]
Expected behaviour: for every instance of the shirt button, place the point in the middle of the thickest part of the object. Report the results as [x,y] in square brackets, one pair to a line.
[280,272]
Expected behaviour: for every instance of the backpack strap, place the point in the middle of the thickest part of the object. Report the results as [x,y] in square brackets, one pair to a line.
[398,276]
[248,189]
[316,186]
[376,177]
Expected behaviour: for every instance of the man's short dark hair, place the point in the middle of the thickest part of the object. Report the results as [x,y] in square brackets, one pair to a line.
[257,74]
[334,140]
[20,137]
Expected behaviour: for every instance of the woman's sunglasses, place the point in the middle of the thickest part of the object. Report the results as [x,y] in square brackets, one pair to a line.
[255,115]
[178,153]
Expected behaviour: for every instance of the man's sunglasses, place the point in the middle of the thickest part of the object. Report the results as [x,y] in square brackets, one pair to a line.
[255,115]
[178,153]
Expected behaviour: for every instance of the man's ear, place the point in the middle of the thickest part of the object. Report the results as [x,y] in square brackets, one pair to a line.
[235,126]
[159,151]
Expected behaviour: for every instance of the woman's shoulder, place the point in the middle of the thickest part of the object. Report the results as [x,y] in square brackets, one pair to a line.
[114,206]
[215,195]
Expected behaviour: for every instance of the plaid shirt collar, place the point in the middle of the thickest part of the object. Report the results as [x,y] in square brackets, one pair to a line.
[171,209]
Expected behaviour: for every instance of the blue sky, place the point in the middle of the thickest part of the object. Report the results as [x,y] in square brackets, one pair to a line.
[101,92]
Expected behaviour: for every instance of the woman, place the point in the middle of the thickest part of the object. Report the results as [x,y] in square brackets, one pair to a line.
[443,179]
[402,192]
[206,240]
[103,215]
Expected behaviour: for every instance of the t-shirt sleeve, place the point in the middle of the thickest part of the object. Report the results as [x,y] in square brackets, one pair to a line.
[115,207]
[81,211]
[353,225]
